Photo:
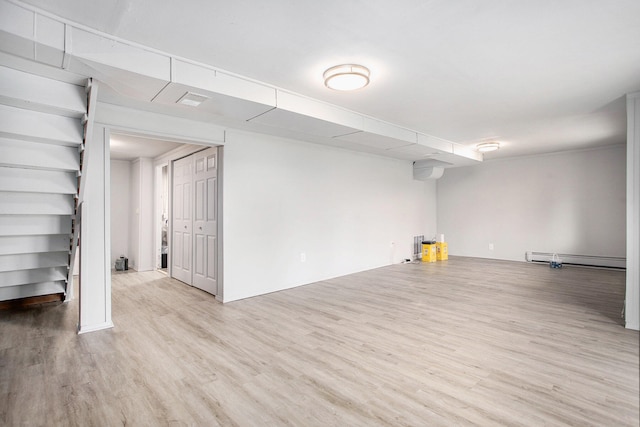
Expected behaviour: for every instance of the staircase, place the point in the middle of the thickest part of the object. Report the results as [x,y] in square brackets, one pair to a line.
[42,130]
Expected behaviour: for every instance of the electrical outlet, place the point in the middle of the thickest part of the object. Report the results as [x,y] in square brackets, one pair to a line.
[303,257]
[490,246]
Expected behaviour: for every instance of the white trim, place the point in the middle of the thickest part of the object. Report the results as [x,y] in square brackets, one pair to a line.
[157,215]
[220,236]
[553,153]
[131,121]
[632,297]
[94,328]
[107,226]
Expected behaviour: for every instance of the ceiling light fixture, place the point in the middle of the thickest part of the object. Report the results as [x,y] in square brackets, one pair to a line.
[486,147]
[346,77]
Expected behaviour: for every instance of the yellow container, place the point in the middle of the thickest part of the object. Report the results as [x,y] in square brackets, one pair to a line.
[442,251]
[428,252]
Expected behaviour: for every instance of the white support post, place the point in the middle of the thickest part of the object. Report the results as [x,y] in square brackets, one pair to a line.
[632,298]
[95,271]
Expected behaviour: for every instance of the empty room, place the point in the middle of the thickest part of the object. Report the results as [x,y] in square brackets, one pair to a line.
[249,213]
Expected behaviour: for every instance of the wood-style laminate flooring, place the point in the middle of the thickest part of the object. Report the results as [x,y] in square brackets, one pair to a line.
[462,342]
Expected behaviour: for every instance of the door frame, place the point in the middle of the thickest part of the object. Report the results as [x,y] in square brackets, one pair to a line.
[95,286]
[190,147]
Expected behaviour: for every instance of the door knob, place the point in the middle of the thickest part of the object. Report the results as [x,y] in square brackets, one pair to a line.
[200,228]
[185,226]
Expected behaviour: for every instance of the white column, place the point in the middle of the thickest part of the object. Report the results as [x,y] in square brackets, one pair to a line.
[95,256]
[632,299]
[146,260]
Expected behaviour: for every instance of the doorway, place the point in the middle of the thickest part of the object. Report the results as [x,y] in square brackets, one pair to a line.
[162,217]
[149,216]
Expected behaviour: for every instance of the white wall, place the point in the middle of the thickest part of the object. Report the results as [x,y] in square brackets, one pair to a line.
[572,202]
[120,208]
[134,215]
[141,215]
[345,211]
[146,260]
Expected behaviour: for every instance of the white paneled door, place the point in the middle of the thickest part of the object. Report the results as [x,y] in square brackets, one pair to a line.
[195,211]
[205,220]
[182,219]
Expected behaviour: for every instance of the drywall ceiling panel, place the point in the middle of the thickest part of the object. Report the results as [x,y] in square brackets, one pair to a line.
[310,117]
[129,70]
[217,104]
[16,36]
[442,152]
[430,163]
[353,146]
[127,83]
[409,152]
[435,142]
[31,36]
[466,152]
[15,45]
[320,110]
[49,48]
[301,123]
[438,158]
[374,140]
[32,67]
[331,142]
[95,49]
[49,32]
[198,76]
[454,160]
[389,130]
[415,151]
[16,20]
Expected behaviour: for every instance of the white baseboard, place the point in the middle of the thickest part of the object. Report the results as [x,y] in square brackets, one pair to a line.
[94,328]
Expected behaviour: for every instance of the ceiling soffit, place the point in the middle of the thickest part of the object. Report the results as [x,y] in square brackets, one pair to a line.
[155,77]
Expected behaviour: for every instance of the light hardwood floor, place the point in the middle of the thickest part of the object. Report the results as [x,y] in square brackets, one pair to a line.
[462,342]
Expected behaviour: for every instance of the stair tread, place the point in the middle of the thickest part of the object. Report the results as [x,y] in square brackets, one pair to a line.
[53,129]
[32,224]
[29,261]
[36,275]
[43,203]
[32,289]
[12,245]
[22,153]
[13,179]
[61,98]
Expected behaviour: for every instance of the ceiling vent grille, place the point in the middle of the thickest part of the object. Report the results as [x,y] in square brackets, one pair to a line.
[192,99]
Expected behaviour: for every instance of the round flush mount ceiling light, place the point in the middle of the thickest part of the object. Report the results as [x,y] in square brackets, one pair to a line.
[346,77]
[486,147]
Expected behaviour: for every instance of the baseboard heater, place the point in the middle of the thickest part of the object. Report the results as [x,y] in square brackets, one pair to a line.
[584,260]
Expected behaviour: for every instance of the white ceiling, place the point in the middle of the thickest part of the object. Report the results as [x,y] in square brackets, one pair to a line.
[537,75]
[128,147]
